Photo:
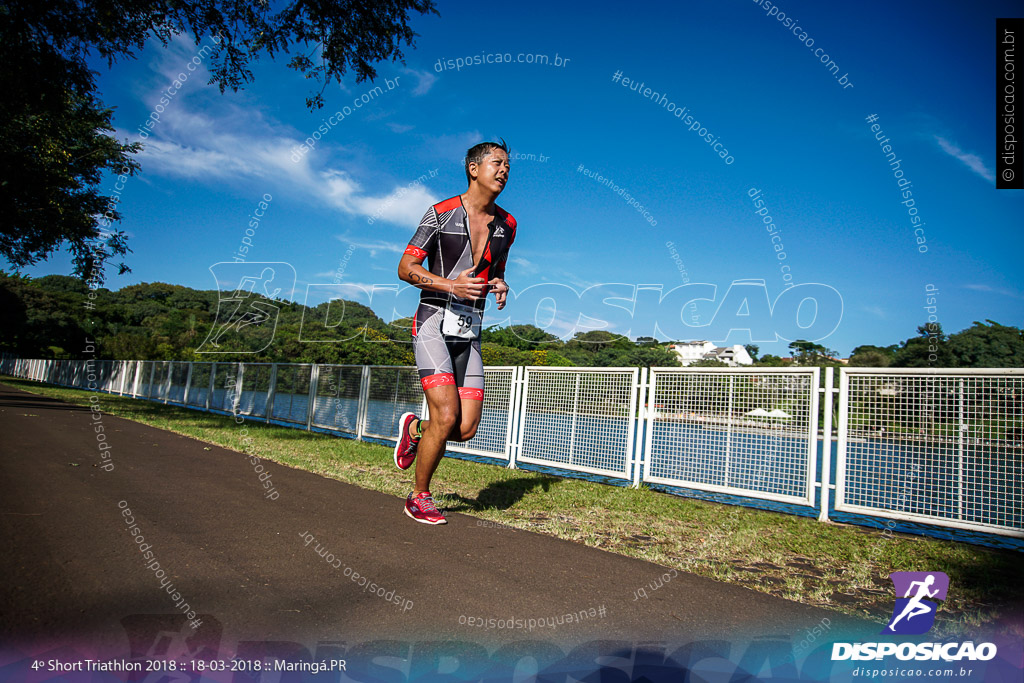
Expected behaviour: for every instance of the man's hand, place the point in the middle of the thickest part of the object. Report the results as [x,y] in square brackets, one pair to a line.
[500,289]
[467,287]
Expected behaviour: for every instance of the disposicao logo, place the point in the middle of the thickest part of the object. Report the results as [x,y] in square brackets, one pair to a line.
[914,614]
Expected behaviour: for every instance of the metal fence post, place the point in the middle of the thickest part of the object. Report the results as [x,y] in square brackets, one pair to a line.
[137,379]
[213,383]
[575,413]
[960,453]
[728,429]
[123,364]
[237,398]
[188,384]
[167,385]
[272,391]
[364,399]
[641,421]
[314,376]
[826,447]
[519,402]
[152,376]
[841,435]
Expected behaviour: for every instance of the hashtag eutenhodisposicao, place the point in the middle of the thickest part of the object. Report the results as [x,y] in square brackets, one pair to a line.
[678,112]
[529,624]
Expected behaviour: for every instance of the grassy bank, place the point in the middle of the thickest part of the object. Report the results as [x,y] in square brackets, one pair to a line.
[841,567]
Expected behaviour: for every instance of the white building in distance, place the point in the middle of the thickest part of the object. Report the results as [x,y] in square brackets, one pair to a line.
[691,352]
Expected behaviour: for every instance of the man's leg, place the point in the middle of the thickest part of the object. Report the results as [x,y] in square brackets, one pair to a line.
[469,367]
[472,410]
[445,410]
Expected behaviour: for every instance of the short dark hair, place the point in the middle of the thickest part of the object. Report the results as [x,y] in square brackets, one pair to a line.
[476,153]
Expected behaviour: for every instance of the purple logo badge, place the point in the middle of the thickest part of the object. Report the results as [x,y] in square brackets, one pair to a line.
[913,612]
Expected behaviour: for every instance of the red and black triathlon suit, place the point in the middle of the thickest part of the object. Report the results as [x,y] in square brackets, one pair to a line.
[443,240]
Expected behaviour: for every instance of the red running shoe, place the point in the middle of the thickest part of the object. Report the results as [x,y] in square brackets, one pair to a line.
[421,508]
[405,449]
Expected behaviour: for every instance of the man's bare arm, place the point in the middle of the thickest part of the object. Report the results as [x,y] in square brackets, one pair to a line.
[411,270]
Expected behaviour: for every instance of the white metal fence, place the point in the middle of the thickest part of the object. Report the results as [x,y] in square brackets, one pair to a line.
[579,419]
[740,431]
[938,447]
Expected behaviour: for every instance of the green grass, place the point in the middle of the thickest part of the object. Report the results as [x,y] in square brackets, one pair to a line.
[835,566]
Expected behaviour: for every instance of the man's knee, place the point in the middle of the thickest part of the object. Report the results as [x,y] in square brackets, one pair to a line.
[445,418]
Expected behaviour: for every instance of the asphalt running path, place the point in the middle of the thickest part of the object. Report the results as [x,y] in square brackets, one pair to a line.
[72,572]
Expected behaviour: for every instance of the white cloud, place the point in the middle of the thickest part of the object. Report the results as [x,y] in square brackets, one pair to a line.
[876,311]
[403,206]
[425,81]
[995,290]
[373,246]
[400,127]
[523,264]
[234,142]
[972,161]
[239,143]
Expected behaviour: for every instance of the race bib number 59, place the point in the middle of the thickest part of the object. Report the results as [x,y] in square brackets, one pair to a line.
[461,321]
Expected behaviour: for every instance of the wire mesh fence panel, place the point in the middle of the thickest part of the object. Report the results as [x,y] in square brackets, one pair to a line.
[144,375]
[104,376]
[113,375]
[944,448]
[92,374]
[178,376]
[118,372]
[78,375]
[252,395]
[82,376]
[133,387]
[55,371]
[336,404]
[491,438]
[225,378]
[161,384]
[94,378]
[199,386]
[45,368]
[124,372]
[748,432]
[291,393]
[579,419]
[87,372]
[392,392]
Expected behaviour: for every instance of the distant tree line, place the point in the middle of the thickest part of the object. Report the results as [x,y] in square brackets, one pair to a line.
[53,316]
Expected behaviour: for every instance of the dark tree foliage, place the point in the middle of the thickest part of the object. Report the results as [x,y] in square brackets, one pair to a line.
[929,349]
[810,353]
[522,337]
[870,356]
[54,148]
[55,141]
[988,346]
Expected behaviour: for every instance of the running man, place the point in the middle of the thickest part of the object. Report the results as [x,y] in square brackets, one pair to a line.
[465,241]
[914,607]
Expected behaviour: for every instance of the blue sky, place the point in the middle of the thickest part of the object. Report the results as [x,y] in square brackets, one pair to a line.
[793,131]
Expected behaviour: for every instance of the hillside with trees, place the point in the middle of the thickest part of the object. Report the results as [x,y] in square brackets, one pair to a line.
[53,316]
